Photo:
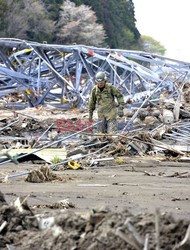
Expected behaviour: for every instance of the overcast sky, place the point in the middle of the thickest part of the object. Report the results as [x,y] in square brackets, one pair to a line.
[167,21]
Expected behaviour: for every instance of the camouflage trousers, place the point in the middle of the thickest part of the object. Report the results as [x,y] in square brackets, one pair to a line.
[107,126]
[107,116]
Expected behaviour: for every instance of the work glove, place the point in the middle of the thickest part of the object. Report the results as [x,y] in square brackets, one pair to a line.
[90,117]
[120,111]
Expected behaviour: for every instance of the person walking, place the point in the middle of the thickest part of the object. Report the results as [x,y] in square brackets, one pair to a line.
[103,96]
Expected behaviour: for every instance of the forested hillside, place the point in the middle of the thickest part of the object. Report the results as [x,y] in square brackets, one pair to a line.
[98,23]
[118,19]
[38,20]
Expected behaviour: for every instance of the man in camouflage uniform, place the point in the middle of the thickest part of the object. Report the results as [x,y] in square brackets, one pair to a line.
[103,95]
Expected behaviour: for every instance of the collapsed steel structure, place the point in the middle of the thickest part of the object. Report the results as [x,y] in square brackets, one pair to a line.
[64,74]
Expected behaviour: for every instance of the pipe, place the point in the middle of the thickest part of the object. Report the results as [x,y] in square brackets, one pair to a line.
[42,135]
[53,143]
[8,125]
[80,157]
[54,165]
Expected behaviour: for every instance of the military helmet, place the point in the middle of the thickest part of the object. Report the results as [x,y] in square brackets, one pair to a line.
[100,77]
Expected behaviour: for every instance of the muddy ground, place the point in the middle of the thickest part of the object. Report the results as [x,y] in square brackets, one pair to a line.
[142,185]
[103,207]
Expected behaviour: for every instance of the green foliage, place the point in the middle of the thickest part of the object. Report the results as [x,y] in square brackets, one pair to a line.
[118,19]
[127,37]
[53,8]
[149,44]
[56,159]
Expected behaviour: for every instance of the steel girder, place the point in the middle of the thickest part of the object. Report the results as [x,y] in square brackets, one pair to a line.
[64,74]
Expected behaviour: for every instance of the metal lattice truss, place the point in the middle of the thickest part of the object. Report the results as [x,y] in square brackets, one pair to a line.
[64,74]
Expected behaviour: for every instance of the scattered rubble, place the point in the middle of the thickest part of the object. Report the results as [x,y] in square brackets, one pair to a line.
[99,229]
[44,174]
[154,131]
[156,94]
[54,130]
[62,204]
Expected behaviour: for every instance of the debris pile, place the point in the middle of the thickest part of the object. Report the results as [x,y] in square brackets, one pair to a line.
[100,229]
[157,110]
[68,83]
[44,118]
[44,174]
[62,204]
[61,147]
[14,219]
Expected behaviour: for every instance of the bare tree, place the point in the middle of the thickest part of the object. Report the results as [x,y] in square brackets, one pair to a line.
[27,19]
[16,25]
[78,24]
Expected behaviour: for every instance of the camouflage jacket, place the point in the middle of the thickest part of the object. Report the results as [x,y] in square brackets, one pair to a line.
[105,99]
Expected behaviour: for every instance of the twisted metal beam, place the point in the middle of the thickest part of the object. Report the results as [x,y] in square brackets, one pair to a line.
[64,74]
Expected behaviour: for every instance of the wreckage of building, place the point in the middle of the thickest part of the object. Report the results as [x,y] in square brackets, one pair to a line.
[64,74]
[44,93]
